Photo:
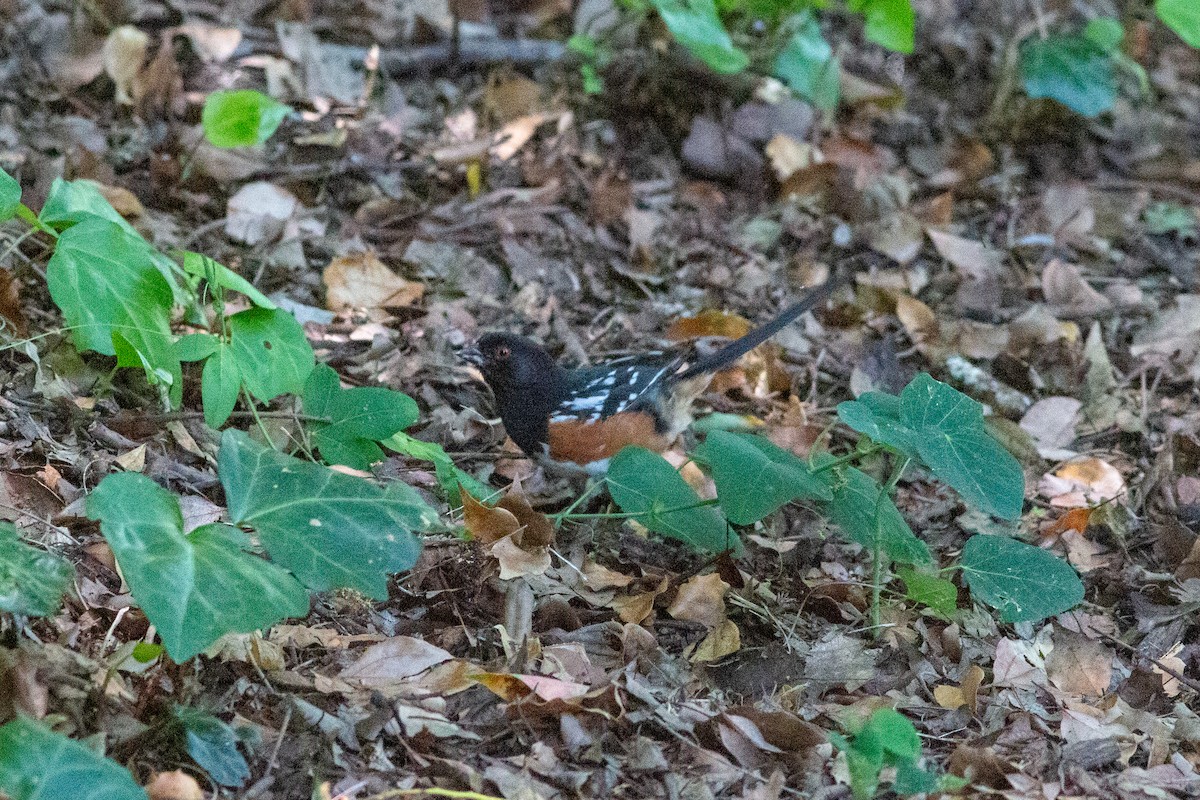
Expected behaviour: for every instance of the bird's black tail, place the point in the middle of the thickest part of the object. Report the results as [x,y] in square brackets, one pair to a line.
[739,347]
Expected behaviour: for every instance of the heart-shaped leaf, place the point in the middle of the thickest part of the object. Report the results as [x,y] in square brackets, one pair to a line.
[1024,582]
[330,529]
[38,764]
[877,415]
[241,118]
[197,587]
[754,477]
[952,441]
[644,483]
[106,284]
[1071,70]
[214,746]
[696,26]
[862,509]
[10,196]
[357,418]
[271,352]
[32,581]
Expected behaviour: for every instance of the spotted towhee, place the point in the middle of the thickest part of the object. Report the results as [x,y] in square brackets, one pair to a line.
[578,419]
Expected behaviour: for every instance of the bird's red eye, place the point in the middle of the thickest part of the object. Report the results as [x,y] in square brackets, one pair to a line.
[503,352]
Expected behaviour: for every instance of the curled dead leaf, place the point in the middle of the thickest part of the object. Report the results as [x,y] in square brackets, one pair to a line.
[361,280]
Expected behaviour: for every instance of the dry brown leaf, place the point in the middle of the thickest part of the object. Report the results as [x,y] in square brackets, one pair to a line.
[10,303]
[362,280]
[919,322]
[510,97]
[897,235]
[124,52]
[1079,666]
[1051,422]
[509,140]
[515,687]
[398,659]
[133,460]
[702,600]
[1171,660]
[965,694]
[177,785]
[1068,211]
[599,577]
[1082,482]
[212,43]
[789,156]
[517,561]
[1068,294]
[123,201]
[971,258]
[720,642]
[259,212]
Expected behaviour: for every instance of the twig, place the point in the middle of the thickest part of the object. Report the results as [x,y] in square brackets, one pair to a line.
[1186,681]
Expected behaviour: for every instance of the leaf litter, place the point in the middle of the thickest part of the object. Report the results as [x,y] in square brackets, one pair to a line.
[484,200]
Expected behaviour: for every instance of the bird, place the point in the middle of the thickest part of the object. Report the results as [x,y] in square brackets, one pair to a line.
[577,419]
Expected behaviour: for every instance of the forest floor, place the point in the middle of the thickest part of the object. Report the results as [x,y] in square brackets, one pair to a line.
[1044,264]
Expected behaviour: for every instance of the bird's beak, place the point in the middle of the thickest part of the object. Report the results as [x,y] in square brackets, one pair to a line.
[471,355]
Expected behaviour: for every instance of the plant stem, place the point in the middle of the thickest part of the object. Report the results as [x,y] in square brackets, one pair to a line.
[877,557]
[631,514]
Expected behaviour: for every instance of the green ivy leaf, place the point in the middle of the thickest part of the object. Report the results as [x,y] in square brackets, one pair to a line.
[896,735]
[195,588]
[867,515]
[357,418]
[952,441]
[1181,16]
[241,118]
[220,384]
[32,581]
[10,196]
[213,745]
[937,593]
[271,352]
[1167,217]
[214,272]
[38,764]
[644,483]
[71,202]
[891,23]
[807,65]
[330,529]
[696,26]
[1071,70]
[754,477]
[877,415]
[105,283]
[1106,33]
[449,476]
[1024,582]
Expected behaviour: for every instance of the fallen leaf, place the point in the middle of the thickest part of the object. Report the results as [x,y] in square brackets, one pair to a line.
[701,599]
[1082,482]
[965,694]
[971,258]
[1079,666]
[362,280]
[177,785]
[398,659]
[720,642]
[124,52]
[1051,422]
[259,213]
[1068,294]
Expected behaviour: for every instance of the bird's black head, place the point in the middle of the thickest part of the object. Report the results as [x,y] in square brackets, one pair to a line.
[526,381]
[512,363]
